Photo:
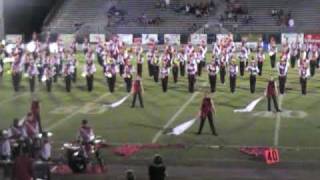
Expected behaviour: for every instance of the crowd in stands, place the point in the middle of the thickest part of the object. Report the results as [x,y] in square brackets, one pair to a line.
[236,12]
[283,18]
[198,9]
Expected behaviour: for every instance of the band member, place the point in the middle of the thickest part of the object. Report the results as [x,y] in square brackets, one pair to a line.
[213,70]
[85,133]
[31,126]
[137,90]
[243,57]
[294,52]
[164,77]
[201,57]
[207,110]
[67,72]
[99,52]
[155,64]
[48,74]
[127,76]
[233,71]
[175,68]
[110,73]
[56,60]
[32,72]
[183,58]
[304,73]
[85,45]
[260,59]
[273,54]
[192,70]
[272,92]
[2,56]
[5,147]
[121,62]
[40,60]
[71,58]
[85,137]
[282,70]
[222,66]
[150,56]
[16,70]
[88,70]
[17,133]
[139,64]
[313,56]
[45,149]
[253,71]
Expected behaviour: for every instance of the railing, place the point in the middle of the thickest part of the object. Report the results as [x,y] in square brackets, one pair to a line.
[53,12]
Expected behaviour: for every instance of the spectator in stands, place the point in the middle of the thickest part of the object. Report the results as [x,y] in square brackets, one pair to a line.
[130,175]
[291,23]
[157,170]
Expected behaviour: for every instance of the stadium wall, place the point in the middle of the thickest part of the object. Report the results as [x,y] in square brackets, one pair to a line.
[25,16]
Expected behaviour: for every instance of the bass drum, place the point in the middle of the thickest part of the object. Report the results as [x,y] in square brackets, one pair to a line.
[76,161]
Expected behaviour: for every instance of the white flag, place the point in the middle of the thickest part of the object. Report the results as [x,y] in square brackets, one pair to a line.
[250,106]
[118,103]
[182,127]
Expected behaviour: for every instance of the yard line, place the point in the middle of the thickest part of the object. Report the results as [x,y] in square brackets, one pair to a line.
[4,102]
[174,117]
[278,123]
[63,120]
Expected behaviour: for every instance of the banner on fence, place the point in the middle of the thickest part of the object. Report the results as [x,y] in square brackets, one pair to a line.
[312,38]
[12,38]
[172,39]
[67,39]
[198,38]
[149,38]
[126,38]
[94,38]
[223,36]
[292,38]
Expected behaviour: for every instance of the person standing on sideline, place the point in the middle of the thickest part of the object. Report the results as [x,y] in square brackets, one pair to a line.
[207,110]
[137,90]
[271,92]
[157,170]
[253,71]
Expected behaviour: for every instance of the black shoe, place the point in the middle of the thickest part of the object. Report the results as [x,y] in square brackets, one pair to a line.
[198,133]
[215,134]
[279,110]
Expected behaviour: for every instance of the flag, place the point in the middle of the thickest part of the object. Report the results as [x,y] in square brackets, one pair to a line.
[118,103]
[180,129]
[250,106]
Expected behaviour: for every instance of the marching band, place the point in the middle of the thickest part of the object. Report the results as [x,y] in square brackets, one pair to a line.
[47,62]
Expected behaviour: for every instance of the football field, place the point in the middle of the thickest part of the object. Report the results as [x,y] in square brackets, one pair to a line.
[295,131]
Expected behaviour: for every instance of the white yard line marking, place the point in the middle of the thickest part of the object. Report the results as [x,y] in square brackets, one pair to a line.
[174,117]
[4,102]
[63,120]
[278,123]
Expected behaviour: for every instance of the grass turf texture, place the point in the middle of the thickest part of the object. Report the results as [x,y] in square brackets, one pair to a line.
[64,111]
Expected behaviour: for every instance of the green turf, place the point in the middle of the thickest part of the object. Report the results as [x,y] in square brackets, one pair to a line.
[127,125]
